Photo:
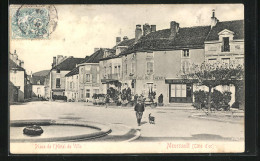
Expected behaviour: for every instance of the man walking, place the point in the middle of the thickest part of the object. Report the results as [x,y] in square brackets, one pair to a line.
[139,109]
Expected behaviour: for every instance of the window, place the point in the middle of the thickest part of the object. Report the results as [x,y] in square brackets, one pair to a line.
[70,85]
[87,77]
[119,71]
[212,61]
[125,68]
[57,82]
[226,61]
[185,53]
[115,70]
[225,45]
[58,70]
[133,68]
[38,82]
[149,55]
[81,75]
[149,67]
[87,93]
[178,90]
[185,66]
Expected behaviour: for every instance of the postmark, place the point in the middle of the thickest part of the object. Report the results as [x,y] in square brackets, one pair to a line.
[33,22]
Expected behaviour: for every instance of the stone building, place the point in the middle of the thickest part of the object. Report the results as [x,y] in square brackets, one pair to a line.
[58,72]
[72,85]
[155,60]
[20,87]
[89,74]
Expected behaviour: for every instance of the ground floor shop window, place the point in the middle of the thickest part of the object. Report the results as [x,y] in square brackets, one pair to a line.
[178,90]
[87,93]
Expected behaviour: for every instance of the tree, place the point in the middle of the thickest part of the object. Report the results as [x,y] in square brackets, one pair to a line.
[212,75]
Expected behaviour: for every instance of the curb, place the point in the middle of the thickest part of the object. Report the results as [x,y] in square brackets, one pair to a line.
[137,133]
[214,119]
[104,130]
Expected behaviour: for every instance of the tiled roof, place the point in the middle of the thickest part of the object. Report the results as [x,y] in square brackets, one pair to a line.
[235,26]
[73,72]
[13,65]
[96,56]
[127,42]
[189,37]
[68,64]
[35,79]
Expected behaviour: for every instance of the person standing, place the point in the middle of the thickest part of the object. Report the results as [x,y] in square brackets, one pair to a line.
[139,109]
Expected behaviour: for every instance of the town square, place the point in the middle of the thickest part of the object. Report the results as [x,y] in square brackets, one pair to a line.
[94,77]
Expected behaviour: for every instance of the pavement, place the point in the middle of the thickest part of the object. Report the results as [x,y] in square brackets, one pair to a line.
[171,123]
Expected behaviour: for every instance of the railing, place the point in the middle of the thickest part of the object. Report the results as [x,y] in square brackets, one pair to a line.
[112,76]
[225,48]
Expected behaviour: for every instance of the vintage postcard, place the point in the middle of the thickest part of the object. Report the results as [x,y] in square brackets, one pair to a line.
[120,79]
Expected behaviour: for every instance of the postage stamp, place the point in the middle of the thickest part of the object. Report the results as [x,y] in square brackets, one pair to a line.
[36,22]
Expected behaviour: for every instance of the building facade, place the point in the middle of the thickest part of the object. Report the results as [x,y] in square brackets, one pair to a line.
[57,74]
[19,82]
[72,85]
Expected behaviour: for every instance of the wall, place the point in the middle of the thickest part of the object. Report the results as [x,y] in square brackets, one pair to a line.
[60,75]
[167,64]
[213,51]
[17,78]
[94,83]
[35,92]
[71,87]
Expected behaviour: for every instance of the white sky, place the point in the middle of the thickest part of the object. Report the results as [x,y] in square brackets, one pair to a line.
[81,28]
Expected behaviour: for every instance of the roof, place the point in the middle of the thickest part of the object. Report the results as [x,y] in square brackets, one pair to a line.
[96,56]
[188,37]
[69,63]
[127,42]
[13,65]
[73,72]
[35,79]
[236,26]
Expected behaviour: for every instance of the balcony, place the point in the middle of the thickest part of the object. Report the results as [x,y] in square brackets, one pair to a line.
[111,77]
[225,48]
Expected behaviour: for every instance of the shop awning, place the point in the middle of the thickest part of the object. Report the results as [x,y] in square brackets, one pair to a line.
[180,81]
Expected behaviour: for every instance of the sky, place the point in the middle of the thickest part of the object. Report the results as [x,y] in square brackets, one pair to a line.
[81,28]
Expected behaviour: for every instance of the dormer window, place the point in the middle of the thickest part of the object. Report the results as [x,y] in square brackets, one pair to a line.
[225,45]
[58,70]
[185,53]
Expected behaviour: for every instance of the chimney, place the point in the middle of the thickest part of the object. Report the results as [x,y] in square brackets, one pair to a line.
[153,28]
[118,40]
[146,29]
[96,49]
[22,64]
[59,59]
[125,38]
[54,61]
[138,32]
[214,20]
[174,27]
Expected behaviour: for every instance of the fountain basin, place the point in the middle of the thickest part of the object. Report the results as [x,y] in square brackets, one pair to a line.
[57,130]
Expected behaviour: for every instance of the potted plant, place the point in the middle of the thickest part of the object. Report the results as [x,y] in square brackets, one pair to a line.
[151,96]
[160,100]
[124,97]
